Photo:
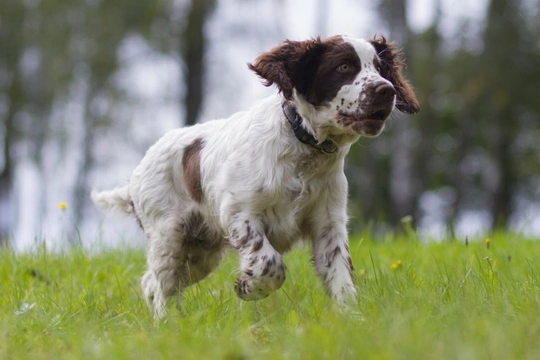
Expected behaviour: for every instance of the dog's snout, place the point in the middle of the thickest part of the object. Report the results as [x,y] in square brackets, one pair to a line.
[378,100]
[384,90]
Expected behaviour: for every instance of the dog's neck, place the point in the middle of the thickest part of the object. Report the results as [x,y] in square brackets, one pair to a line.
[295,120]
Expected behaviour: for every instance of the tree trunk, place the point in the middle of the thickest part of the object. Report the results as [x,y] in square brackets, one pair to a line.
[505,93]
[81,189]
[501,208]
[6,203]
[194,48]
[7,206]
[12,45]
[401,162]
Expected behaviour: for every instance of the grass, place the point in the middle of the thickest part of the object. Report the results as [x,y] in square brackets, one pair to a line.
[416,301]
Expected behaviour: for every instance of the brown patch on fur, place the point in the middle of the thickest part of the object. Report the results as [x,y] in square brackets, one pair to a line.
[309,67]
[191,163]
[266,269]
[349,261]
[253,261]
[391,67]
[258,244]
[242,242]
[331,256]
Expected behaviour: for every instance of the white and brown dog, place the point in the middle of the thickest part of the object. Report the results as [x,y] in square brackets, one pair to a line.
[268,177]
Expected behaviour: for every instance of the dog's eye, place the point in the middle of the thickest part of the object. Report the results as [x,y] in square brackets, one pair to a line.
[344,67]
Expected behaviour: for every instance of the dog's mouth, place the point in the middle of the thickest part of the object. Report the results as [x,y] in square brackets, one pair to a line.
[368,125]
[380,115]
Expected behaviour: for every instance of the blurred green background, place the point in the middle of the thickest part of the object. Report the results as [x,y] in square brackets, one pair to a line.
[87,85]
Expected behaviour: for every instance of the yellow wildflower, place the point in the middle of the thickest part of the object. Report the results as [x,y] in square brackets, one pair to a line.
[394,266]
[63,205]
[362,272]
[488,241]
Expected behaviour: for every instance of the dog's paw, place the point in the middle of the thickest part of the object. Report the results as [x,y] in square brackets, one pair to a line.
[258,287]
[249,289]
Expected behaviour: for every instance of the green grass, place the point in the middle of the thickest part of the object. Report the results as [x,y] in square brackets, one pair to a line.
[444,301]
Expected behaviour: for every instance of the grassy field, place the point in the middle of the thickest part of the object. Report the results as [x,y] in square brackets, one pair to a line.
[416,301]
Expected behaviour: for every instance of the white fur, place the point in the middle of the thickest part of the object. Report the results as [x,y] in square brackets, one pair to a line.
[263,191]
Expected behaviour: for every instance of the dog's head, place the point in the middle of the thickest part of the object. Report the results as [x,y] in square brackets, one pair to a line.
[340,85]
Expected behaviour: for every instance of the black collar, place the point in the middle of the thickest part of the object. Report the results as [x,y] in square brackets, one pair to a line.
[295,120]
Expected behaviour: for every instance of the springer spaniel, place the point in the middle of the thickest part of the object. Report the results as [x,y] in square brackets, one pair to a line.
[265,178]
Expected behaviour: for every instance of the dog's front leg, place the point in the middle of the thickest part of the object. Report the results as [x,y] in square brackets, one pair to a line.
[262,267]
[333,263]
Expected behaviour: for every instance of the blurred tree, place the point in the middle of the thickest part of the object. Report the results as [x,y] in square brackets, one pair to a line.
[475,137]
[34,67]
[99,32]
[46,48]
[507,66]
[497,114]
[11,102]
[401,177]
[193,45]
[477,115]
[425,72]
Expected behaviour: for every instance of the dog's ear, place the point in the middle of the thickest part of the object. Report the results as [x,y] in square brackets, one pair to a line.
[285,64]
[391,68]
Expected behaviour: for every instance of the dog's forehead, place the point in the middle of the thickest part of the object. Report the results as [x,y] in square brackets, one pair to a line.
[365,50]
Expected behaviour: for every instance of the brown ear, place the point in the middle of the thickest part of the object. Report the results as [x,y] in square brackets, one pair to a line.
[391,68]
[282,64]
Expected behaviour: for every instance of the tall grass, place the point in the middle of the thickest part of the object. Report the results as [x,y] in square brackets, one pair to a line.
[416,301]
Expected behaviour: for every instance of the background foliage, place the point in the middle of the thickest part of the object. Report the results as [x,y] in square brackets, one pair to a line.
[470,156]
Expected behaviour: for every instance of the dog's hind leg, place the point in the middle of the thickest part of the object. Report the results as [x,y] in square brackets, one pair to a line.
[162,279]
[178,258]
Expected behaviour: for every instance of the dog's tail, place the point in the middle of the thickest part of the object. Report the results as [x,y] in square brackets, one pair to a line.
[115,200]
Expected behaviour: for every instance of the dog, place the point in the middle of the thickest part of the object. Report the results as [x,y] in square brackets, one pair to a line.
[266,178]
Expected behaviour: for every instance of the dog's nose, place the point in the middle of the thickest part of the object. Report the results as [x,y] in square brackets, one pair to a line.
[384,89]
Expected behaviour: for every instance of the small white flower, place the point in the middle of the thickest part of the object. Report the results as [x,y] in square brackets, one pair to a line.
[25,307]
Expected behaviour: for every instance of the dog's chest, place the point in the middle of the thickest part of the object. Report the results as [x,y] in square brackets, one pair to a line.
[286,222]
[289,213]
